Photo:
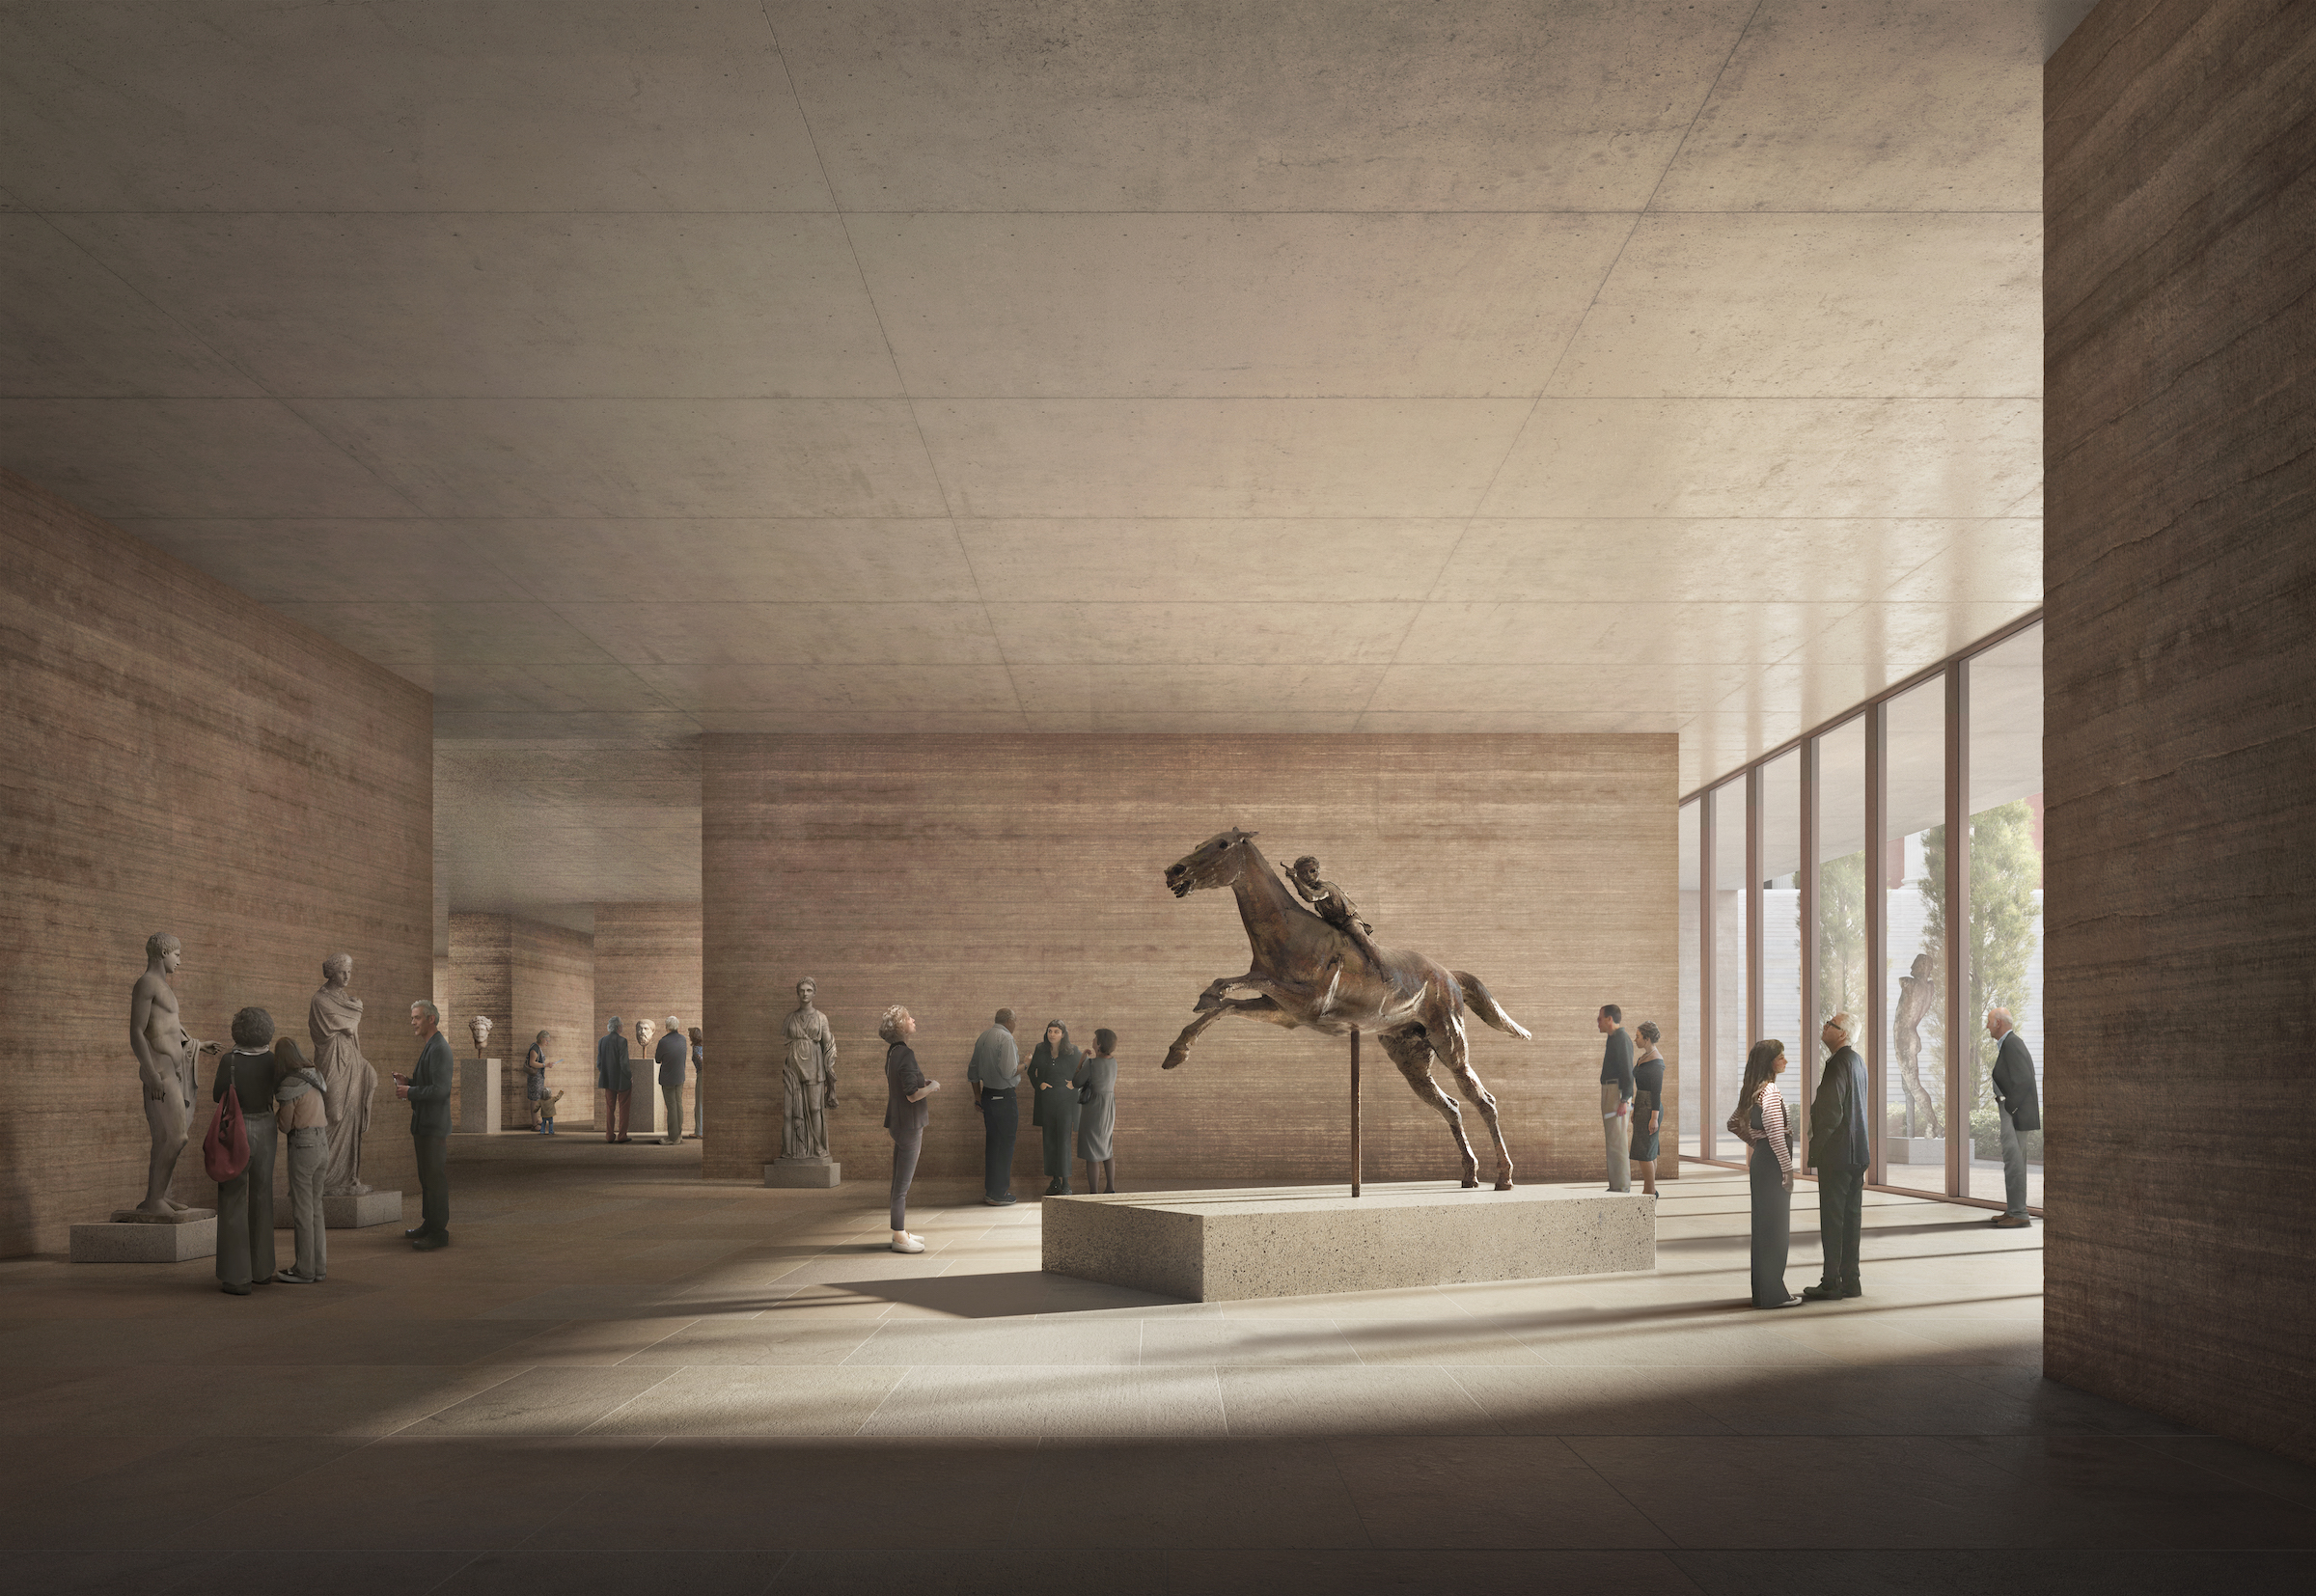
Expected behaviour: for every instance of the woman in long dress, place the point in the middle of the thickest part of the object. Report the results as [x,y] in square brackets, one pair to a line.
[1760,1121]
[1049,1070]
[1096,1081]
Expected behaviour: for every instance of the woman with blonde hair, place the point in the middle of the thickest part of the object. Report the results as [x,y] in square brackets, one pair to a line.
[1762,1123]
[905,1112]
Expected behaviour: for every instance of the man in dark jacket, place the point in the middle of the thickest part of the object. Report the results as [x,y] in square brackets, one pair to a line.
[673,1055]
[426,1088]
[613,1080]
[1841,1156]
[2018,1107]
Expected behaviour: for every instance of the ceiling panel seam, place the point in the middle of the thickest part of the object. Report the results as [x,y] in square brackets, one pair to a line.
[900,381]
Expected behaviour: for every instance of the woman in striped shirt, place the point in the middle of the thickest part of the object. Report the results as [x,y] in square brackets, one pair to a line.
[1760,1121]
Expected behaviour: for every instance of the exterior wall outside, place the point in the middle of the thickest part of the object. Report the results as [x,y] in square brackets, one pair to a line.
[2180,661]
[185,760]
[528,977]
[960,874]
[646,965]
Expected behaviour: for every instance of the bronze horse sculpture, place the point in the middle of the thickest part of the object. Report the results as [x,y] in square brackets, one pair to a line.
[1306,971]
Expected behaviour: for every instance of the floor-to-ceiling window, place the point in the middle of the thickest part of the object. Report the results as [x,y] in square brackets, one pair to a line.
[1819,880]
[2005,948]
[1689,1049]
[1913,942]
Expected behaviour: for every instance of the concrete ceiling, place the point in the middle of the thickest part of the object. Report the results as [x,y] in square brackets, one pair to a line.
[621,371]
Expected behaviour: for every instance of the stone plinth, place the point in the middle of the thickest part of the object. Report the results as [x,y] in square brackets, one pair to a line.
[1294,1240]
[646,1112]
[790,1171]
[148,1239]
[478,1097]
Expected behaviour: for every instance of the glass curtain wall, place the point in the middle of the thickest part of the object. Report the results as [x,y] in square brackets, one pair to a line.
[1778,937]
[1687,1041]
[2004,953]
[1732,1031]
[1782,942]
[1913,939]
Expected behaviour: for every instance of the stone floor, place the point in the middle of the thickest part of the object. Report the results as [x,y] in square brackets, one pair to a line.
[620,1379]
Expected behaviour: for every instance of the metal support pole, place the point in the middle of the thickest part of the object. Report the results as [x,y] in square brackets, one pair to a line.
[1876,1027]
[1707,1020]
[1756,985]
[1355,1148]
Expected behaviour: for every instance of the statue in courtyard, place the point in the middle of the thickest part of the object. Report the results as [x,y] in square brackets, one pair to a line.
[348,1083]
[808,1080]
[168,1068]
[1917,997]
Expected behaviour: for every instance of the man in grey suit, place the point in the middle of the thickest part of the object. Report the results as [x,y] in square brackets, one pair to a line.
[2018,1107]
[427,1091]
[674,1056]
[1839,1151]
[612,1078]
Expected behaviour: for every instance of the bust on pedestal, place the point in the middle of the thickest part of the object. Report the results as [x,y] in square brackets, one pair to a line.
[808,1092]
[480,1088]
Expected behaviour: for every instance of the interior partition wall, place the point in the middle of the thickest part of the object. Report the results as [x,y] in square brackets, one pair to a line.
[1887,866]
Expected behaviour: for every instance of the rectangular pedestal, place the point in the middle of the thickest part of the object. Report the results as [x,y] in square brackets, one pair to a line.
[1286,1241]
[144,1243]
[646,1115]
[814,1176]
[1915,1149]
[478,1097]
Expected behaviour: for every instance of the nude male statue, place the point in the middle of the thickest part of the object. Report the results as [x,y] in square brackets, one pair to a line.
[168,1066]
[334,1020]
[1918,995]
[808,1080]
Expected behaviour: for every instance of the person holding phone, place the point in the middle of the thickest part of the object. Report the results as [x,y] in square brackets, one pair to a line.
[427,1091]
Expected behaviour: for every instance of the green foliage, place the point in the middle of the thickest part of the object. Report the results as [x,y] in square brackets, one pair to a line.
[1841,939]
[1986,1137]
[2005,870]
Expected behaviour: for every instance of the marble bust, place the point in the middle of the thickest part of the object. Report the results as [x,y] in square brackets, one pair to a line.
[478,1028]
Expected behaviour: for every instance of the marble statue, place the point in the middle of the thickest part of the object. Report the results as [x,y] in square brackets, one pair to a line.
[168,1068]
[478,1028]
[334,1021]
[1917,996]
[808,1081]
[644,1030]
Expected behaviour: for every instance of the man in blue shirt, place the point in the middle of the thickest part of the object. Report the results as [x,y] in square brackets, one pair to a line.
[996,1076]
[427,1091]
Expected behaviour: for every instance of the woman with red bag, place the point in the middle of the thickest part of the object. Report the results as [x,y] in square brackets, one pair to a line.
[246,1193]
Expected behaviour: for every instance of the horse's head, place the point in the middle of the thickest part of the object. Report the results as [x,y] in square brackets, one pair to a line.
[1213,863]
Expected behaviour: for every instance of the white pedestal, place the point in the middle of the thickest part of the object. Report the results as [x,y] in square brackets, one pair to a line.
[645,1111]
[478,1090]
[1289,1241]
[793,1172]
[1913,1149]
[122,1241]
[360,1212]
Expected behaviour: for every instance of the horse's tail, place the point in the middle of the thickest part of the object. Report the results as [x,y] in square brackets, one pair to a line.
[1484,1004]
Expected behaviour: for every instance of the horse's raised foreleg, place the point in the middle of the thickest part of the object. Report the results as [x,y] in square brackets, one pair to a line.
[1221,1005]
[1456,1051]
[1411,1051]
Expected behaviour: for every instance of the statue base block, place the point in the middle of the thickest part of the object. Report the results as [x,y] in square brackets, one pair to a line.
[147,1239]
[349,1213]
[1302,1241]
[813,1177]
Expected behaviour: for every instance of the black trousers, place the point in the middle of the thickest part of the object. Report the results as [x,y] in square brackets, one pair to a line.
[1840,1212]
[905,1150]
[433,1184]
[1000,1127]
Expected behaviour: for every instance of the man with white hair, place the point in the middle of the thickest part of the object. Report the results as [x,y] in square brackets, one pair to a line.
[673,1055]
[1839,1151]
[2018,1107]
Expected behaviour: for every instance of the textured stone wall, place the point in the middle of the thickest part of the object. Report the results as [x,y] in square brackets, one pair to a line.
[528,977]
[648,965]
[2180,568]
[183,759]
[959,874]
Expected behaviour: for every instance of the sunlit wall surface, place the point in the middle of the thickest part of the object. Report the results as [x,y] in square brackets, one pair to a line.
[1807,933]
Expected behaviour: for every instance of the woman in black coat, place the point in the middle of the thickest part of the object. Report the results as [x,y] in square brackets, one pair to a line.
[1052,1073]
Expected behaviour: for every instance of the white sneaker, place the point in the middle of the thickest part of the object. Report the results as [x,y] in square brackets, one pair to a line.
[909,1243]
